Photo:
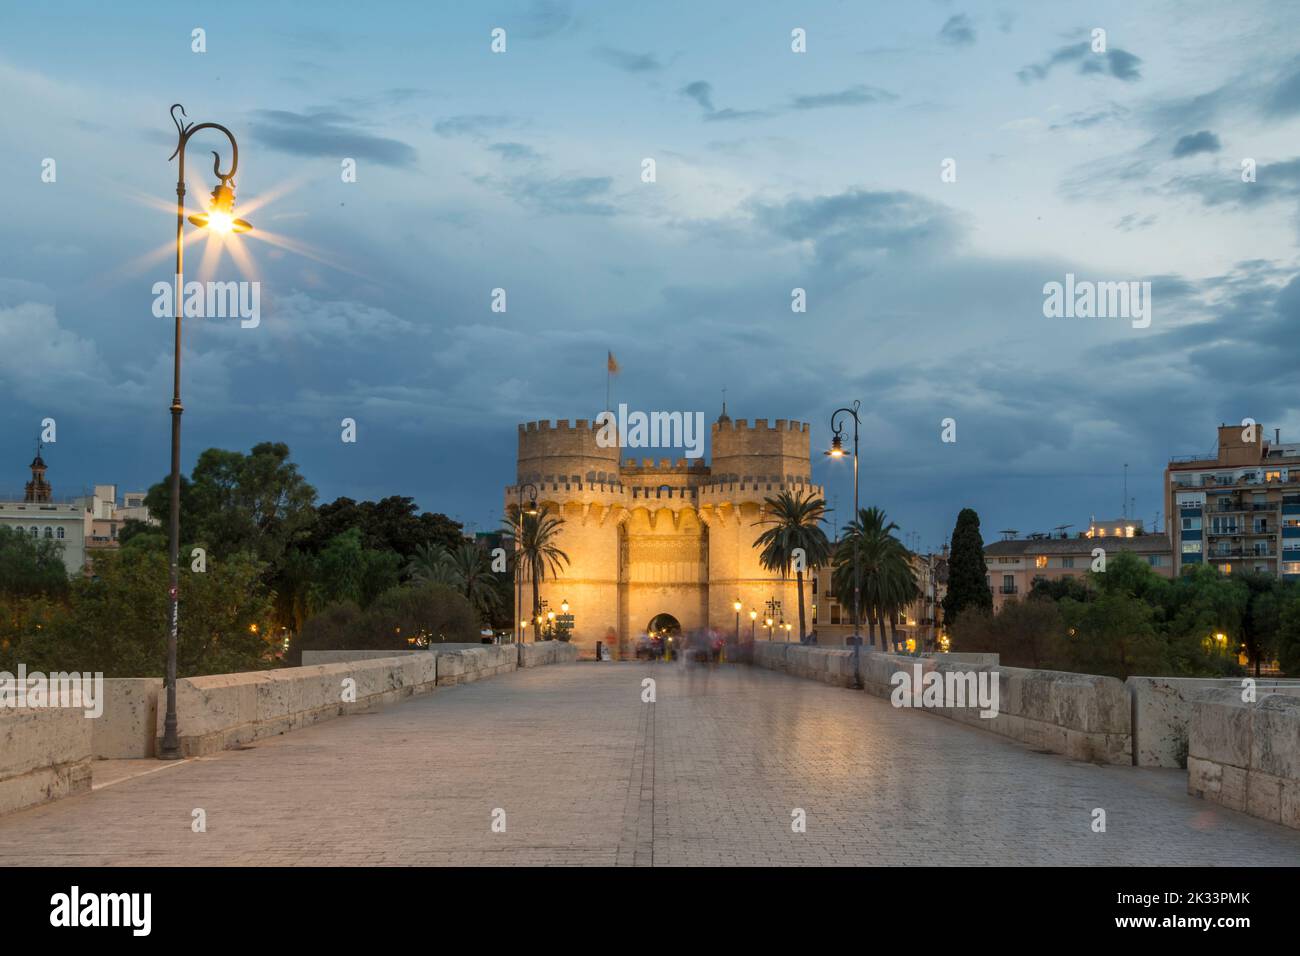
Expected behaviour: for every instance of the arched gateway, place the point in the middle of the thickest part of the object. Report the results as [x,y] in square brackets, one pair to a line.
[648,538]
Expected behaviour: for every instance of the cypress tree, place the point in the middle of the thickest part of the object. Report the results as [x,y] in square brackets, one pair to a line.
[967,572]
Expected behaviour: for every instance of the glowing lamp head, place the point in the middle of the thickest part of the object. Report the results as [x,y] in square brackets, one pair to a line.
[753,615]
[532,508]
[736,606]
[220,217]
[564,606]
[837,447]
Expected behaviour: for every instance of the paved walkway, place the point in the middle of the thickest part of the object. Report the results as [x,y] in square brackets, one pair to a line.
[588,774]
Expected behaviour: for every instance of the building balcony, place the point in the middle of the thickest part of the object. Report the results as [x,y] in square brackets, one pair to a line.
[1007,589]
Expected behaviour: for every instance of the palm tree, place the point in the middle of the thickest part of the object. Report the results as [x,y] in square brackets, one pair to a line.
[430,564]
[869,536]
[796,527]
[536,550]
[473,567]
[899,587]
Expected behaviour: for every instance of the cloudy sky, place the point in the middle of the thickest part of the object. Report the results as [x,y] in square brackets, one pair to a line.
[775,170]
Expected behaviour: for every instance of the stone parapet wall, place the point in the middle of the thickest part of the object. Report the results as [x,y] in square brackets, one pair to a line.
[1078,715]
[548,652]
[461,667]
[1246,756]
[1162,710]
[310,658]
[45,754]
[221,711]
[126,728]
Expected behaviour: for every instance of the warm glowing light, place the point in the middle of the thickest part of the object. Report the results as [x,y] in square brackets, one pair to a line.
[837,447]
[753,615]
[1221,638]
[550,616]
[564,606]
[736,606]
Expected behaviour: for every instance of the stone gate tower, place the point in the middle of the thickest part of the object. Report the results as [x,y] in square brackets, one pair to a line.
[647,538]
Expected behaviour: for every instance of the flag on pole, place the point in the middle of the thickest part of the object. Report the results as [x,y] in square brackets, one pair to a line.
[611,369]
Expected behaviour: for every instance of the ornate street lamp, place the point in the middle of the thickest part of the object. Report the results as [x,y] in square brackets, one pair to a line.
[219,218]
[736,606]
[753,618]
[837,451]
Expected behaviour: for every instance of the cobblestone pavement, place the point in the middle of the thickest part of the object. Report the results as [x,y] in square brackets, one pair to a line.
[588,774]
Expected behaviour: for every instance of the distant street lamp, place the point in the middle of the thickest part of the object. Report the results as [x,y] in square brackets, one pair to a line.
[736,605]
[519,535]
[837,451]
[219,218]
[753,618]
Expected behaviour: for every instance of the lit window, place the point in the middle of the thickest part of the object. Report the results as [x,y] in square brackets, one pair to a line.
[1040,561]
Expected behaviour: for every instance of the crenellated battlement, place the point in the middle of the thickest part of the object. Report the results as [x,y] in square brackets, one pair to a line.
[760,424]
[559,425]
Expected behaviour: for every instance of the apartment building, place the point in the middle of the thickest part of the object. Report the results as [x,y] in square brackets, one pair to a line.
[1014,562]
[1239,508]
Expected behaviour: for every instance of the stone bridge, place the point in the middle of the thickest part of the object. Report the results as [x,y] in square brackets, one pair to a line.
[568,764]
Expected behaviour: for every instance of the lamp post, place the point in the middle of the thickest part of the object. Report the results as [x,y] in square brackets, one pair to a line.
[837,451]
[519,534]
[753,618]
[736,606]
[220,219]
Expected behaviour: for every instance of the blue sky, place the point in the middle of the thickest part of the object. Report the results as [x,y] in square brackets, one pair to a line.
[775,170]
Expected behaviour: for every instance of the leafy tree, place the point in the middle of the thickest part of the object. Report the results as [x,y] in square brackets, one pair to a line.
[393,523]
[233,502]
[796,527]
[1057,589]
[31,566]
[967,573]
[1029,633]
[116,622]
[1288,651]
[401,618]
[1114,634]
[347,571]
[1261,618]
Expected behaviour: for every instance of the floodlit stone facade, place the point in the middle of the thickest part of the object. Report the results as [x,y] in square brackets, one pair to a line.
[648,537]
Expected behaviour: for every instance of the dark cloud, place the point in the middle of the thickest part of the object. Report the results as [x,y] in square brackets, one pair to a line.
[1115,62]
[858,222]
[543,18]
[472,124]
[1087,120]
[515,152]
[1285,98]
[561,195]
[859,95]
[1133,222]
[327,134]
[701,92]
[1193,143]
[1273,182]
[957,30]
[629,62]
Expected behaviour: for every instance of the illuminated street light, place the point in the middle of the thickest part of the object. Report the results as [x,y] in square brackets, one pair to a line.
[220,218]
